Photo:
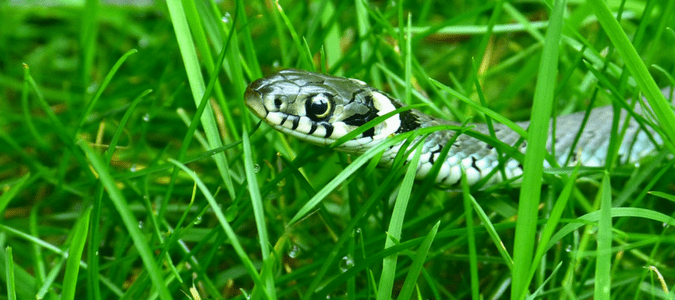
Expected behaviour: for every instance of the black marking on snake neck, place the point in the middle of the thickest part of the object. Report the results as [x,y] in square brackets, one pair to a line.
[473,164]
[360,119]
[409,121]
[283,120]
[329,130]
[313,128]
[296,122]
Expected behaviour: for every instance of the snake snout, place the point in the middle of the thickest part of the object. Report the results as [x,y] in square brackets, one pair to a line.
[254,99]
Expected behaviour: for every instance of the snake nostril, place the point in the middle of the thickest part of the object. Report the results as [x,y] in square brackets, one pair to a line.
[277,102]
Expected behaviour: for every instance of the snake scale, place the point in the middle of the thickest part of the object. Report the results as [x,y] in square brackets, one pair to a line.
[320,109]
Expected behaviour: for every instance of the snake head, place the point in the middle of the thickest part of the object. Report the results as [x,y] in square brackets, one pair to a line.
[320,108]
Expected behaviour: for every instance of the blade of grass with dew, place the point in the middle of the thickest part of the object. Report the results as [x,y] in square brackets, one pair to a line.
[232,236]
[417,264]
[93,289]
[373,260]
[645,81]
[395,226]
[379,193]
[259,215]
[603,265]
[533,168]
[470,236]
[129,220]
[194,124]
[193,70]
[351,252]
[197,21]
[74,255]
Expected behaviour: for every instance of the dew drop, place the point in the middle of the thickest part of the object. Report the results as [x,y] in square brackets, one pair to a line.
[146,117]
[294,252]
[226,18]
[256,168]
[92,88]
[133,168]
[197,221]
[143,42]
[346,263]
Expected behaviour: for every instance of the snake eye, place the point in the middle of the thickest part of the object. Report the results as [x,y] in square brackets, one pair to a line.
[318,107]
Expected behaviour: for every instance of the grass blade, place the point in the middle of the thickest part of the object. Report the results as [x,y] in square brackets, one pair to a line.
[232,236]
[129,220]
[470,236]
[258,213]
[417,264]
[74,256]
[603,266]
[530,192]
[9,273]
[637,68]
[192,67]
[395,225]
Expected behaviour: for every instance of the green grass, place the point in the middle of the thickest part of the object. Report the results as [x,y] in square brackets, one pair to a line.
[130,167]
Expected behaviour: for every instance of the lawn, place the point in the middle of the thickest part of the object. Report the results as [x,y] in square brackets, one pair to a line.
[131,168]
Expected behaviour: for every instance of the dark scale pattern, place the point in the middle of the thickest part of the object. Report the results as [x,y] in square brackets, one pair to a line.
[409,122]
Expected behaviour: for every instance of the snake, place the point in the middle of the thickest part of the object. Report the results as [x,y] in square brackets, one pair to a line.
[320,109]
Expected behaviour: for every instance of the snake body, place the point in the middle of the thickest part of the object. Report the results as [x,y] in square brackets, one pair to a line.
[320,109]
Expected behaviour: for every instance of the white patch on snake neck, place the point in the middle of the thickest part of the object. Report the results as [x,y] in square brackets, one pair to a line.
[274,118]
[384,106]
[304,125]
[320,131]
[339,130]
